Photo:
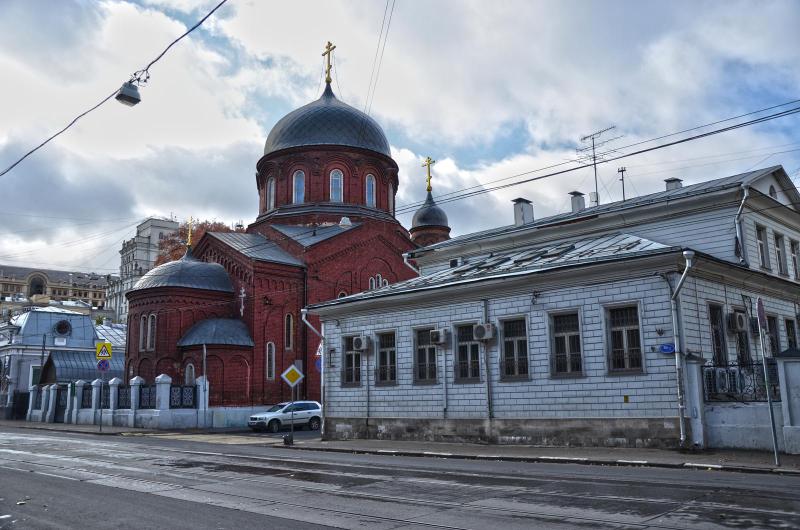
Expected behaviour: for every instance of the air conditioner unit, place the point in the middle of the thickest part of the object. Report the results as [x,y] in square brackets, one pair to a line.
[361,343]
[737,322]
[439,336]
[483,331]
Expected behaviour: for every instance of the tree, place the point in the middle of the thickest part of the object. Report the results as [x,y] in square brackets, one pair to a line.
[173,247]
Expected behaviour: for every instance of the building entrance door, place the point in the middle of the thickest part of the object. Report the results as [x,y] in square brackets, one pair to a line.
[61,404]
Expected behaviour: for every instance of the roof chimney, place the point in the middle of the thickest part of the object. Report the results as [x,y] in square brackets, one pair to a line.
[673,183]
[578,202]
[523,211]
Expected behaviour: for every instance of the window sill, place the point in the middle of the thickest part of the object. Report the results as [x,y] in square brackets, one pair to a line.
[514,378]
[567,375]
[385,383]
[636,371]
[351,385]
[470,381]
[426,382]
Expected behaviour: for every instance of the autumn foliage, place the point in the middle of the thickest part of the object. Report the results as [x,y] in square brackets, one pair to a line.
[173,247]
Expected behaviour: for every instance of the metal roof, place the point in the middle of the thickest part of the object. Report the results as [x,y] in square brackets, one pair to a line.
[226,331]
[64,367]
[113,333]
[309,235]
[187,272]
[524,260]
[257,247]
[81,279]
[327,121]
[709,186]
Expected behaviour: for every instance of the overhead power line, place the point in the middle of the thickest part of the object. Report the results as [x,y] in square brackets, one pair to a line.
[138,77]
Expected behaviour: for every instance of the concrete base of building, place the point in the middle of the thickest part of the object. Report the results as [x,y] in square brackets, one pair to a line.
[575,432]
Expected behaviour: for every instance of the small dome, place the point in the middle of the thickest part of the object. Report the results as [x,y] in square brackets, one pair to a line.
[429,215]
[327,121]
[187,272]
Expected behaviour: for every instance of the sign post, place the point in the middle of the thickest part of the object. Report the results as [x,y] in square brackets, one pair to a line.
[103,356]
[766,351]
[292,376]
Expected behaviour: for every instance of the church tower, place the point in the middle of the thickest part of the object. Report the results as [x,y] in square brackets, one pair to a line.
[429,224]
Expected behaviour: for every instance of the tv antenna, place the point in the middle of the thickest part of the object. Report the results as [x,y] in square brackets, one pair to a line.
[584,156]
[622,171]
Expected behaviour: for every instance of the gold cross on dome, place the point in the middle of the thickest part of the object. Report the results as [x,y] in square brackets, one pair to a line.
[327,54]
[428,163]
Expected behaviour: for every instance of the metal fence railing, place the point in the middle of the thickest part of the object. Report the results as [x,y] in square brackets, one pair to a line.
[105,397]
[740,382]
[86,398]
[147,397]
[182,397]
[123,397]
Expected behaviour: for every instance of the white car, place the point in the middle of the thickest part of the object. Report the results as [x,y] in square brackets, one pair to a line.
[273,419]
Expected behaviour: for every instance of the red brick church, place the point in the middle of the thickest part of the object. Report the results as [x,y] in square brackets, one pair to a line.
[326,228]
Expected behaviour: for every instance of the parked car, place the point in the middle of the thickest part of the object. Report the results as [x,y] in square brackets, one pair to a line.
[308,413]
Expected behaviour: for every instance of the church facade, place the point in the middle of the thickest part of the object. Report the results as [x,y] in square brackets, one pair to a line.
[231,307]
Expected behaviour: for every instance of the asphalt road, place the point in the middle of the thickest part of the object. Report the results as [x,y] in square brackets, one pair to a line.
[233,481]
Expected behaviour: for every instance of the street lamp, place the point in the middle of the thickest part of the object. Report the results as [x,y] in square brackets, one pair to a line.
[128,94]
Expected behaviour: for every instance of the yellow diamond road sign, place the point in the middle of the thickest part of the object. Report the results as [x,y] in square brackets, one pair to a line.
[292,376]
[103,351]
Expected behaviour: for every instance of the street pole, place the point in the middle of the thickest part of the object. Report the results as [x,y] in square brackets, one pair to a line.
[291,435]
[765,348]
[102,380]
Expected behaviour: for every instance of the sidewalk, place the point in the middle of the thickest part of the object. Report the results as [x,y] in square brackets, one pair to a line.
[716,459]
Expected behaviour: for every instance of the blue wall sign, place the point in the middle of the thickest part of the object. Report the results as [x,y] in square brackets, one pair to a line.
[667,348]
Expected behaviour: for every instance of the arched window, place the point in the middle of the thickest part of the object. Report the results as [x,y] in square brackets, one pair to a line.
[270,194]
[142,333]
[372,283]
[370,191]
[337,180]
[391,199]
[385,282]
[288,332]
[299,187]
[270,361]
[151,332]
[188,374]
[378,280]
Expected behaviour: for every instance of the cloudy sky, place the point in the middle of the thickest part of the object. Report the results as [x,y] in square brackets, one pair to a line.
[489,89]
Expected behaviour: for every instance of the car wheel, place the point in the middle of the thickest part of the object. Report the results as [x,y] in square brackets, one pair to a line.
[274,426]
[313,424]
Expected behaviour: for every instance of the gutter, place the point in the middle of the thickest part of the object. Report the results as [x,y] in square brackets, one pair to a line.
[689,256]
[737,220]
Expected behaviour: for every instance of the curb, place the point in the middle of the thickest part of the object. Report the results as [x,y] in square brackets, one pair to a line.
[555,460]
[71,431]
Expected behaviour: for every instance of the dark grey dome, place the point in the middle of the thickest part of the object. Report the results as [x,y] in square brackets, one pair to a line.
[429,215]
[327,121]
[187,272]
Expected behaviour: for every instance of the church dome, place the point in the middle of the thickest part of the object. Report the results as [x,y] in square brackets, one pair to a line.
[429,215]
[327,121]
[187,272]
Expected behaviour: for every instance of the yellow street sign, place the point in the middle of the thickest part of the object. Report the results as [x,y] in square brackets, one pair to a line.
[103,351]
[292,376]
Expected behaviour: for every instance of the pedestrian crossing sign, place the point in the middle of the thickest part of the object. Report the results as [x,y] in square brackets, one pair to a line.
[103,351]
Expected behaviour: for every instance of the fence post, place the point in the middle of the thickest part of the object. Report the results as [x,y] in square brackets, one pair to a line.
[113,397]
[32,393]
[789,378]
[51,403]
[80,388]
[136,390]
[70,405]
[163,384]
[45,390]
[97,385]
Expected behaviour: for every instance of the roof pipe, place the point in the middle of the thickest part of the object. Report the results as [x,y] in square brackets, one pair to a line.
[406,257]
[688,255]
[739,231]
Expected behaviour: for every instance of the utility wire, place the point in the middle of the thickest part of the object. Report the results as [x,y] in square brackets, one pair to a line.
[139,77]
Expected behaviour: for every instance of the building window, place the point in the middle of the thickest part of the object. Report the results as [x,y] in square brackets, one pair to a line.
[425,361]
[391,199]
[467,365]
[151,333]
[188,374]
[351,366]
[270,194]
[625,339]
[370,191]
[763,254]
[791,333]
[35,375]
[795,250]
[514,363]
[743,356]
[270,361]
[371,283]
[337,180]
[780,254]
[298,187]
[719,348]
[774,336]
[288,332]
[142,333]
[386,371]
[566,337]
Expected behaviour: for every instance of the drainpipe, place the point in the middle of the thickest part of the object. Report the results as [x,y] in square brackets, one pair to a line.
[489,405]
[688,255]
[406,257]
[739,231]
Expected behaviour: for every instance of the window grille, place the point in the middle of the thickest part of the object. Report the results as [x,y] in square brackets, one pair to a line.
[566,359]
[625,341]
[514,363]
